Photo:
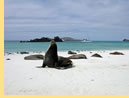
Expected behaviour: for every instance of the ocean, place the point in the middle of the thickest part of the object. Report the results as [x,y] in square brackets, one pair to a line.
[15,46]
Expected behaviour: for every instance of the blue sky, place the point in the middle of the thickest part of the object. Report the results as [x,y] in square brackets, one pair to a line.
[92,19]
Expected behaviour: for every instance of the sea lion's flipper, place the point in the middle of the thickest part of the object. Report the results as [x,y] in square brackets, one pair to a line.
[44,65]
[56,65]
[64,67]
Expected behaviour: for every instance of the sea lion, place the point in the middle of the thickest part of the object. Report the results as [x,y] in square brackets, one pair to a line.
[52,59]
[64,63]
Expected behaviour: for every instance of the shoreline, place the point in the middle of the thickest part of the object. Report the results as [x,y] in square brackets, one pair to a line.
[18,52]
[92,76]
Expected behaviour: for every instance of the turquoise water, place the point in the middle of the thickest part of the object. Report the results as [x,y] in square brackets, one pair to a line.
[15,46]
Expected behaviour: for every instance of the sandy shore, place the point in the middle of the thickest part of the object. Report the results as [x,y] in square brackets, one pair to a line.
[92,76]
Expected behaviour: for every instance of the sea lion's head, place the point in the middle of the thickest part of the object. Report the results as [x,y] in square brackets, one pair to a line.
[52,43]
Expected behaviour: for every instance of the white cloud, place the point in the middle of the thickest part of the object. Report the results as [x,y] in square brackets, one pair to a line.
[66,16]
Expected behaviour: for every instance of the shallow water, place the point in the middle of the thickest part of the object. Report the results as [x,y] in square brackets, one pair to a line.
[15,46]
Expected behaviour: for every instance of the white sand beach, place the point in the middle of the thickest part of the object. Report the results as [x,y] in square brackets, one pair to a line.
[92,76]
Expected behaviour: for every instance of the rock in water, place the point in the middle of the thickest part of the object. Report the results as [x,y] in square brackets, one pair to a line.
[126,40]
[117,53]
[71,52]
[77,56]
[24,52]
[96,55]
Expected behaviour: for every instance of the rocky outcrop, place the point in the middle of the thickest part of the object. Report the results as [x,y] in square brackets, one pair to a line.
[126,40]
[71,52]
[78,56]
[57,39]
[96,55]
[45,39]
[117,53]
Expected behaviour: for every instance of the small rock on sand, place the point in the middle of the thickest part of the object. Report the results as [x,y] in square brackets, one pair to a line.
[9,53]
[8,59]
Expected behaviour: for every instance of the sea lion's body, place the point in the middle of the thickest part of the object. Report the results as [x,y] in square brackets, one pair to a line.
[51,57]
[53,60]
[64,63]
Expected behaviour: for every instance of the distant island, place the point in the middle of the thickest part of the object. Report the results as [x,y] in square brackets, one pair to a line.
[70,39]
[45,39]
[126,40]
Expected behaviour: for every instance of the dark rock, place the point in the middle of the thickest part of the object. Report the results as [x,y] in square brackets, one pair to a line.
[117,53]
[9,53]
[126,40]
[44,39]
[96,55]
[8,59]
[78,56]
[17,52]
[24,52]
[34,57]
[71,52]
[57,39]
